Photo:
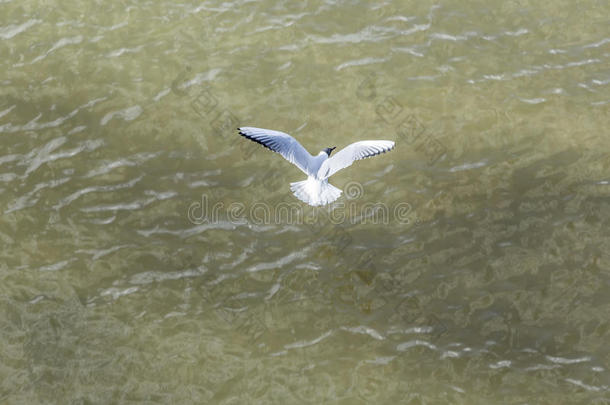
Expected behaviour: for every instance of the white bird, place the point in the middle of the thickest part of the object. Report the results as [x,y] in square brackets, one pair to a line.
[315,190]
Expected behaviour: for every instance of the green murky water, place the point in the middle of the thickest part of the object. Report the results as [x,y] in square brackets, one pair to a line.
[150,255]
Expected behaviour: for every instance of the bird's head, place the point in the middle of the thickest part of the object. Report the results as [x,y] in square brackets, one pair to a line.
[329,150]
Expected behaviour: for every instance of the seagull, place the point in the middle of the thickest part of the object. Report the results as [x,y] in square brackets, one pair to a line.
[315,190]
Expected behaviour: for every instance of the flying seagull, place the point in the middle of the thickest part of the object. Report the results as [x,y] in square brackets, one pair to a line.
[315,190]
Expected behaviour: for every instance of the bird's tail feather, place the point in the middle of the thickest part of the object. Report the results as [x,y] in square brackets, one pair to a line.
[315,192]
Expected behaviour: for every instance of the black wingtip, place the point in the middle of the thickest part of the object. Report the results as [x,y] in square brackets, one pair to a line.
[379,152]
[255,140]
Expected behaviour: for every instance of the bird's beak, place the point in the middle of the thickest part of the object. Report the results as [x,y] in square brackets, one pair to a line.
[333,148]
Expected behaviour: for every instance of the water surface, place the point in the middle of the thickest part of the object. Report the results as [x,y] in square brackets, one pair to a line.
[483,277]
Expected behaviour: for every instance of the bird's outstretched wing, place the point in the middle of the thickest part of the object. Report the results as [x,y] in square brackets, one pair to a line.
[356,151]
[281,143]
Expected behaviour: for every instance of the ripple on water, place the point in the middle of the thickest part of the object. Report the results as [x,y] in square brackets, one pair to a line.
[365,330]
[9,31]
[127,114]
[401,347]
[306,343]
[57,45]
[130,206]
[95,189]
[133,160]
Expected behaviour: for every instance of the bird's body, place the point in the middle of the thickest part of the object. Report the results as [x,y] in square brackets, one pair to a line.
[315,162]
[315,190]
